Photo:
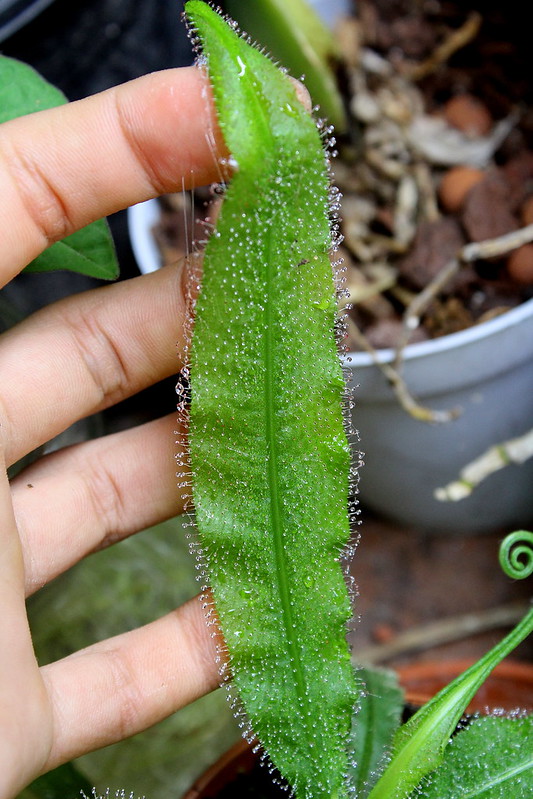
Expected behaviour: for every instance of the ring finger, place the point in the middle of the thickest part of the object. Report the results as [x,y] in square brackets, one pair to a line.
[95,493]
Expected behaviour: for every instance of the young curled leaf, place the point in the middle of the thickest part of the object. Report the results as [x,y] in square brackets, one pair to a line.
[516,554]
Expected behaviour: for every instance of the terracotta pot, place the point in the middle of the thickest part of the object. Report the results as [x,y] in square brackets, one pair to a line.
[239,760]
[509,686]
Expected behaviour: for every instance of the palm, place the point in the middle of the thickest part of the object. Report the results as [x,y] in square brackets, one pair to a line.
[64,363]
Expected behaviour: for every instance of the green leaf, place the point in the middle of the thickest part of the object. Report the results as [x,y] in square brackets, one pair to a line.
[295,35]
[23,90]
[269,455]
[420,743]
[90,250]
[491,759]
[373,727]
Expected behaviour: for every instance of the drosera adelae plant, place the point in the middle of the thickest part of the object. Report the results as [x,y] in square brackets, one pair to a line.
[489,758]
[270,495]
[269,459]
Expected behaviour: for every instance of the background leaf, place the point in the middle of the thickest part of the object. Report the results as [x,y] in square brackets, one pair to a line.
[90,250]
[269,454]
[373,727]
[491,759]
[294,34]
[420,743]
[64,782]
[23,90]
[117,589]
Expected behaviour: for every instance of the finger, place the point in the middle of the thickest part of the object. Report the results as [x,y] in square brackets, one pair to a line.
[19,675]
[95,494]
[60,169]
[119,687]
[86,353]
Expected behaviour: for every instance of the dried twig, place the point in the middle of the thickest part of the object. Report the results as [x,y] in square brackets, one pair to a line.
[516,450]
[413,313]
[358,292]
[443,632]
[398,385]
[492,248]
[419,304]
[474,251]
[454,42]
[428,196]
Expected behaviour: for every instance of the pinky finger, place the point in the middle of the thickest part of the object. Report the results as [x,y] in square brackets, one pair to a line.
[121,686]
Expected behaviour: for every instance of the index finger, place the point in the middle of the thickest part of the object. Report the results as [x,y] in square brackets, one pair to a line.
[62,168]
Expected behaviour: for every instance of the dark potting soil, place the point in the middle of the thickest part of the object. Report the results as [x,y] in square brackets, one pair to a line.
[393,77]
[256,783]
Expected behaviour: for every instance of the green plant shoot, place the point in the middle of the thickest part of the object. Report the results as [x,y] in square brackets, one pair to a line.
[421,745]
[268,451]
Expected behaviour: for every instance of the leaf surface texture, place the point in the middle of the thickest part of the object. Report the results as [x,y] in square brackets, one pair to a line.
[268,449]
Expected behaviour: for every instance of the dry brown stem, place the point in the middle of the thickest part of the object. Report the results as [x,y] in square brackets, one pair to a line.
[454,42]
[516,450]
[470,252]
[492,248]
[398,385]
[445,631]
[477,250]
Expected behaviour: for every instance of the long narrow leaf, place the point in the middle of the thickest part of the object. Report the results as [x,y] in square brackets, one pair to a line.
[269,455]
[420,743]
[373,727]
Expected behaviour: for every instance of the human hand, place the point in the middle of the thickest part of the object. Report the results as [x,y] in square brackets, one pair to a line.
[59,170]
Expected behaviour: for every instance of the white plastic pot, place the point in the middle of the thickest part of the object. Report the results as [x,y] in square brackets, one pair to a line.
[332,10]
[487,371]
[142,219]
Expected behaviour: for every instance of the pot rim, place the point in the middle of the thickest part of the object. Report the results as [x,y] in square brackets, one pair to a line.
[222,770]
[508,319]
[511,670]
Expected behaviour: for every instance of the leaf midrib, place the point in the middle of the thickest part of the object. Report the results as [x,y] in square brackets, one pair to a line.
[276,515]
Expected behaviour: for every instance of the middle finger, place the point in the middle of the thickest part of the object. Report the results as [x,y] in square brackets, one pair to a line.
[95,493]
[87,352]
